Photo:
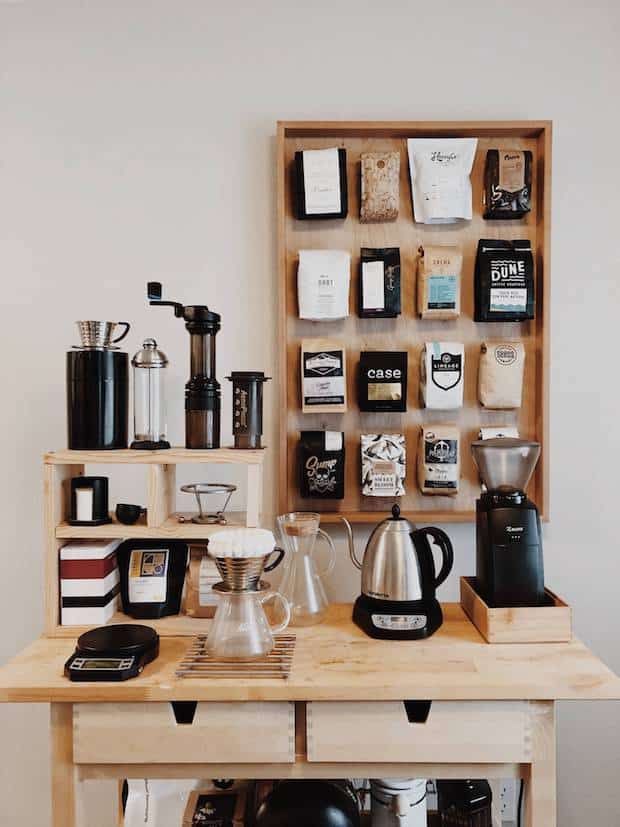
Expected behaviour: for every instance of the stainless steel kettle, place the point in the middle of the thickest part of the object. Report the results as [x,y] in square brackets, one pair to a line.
[398,563]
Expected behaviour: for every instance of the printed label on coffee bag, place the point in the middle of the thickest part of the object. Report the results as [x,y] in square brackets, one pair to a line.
[442,292]
[147,575]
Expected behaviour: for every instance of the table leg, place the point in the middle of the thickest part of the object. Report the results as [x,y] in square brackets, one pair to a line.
[62,769]
[540,785]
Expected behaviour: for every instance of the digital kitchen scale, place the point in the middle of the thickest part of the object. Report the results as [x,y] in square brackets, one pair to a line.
[113,653]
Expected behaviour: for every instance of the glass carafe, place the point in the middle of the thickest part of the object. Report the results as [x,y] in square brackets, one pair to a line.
[301,584]
[240,629]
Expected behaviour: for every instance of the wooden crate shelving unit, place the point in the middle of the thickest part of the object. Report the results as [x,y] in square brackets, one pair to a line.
[161,519]
[408,332]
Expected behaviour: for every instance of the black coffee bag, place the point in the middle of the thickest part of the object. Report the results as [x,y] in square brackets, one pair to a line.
[504,281]
[321,465]
[379,286]
[382,380]
[507,183]
[321,184]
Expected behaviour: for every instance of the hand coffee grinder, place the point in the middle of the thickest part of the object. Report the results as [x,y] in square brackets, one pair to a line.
[202,392]
[509,554]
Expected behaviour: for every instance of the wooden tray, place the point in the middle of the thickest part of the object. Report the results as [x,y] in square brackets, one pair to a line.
[539,624]
[408,332]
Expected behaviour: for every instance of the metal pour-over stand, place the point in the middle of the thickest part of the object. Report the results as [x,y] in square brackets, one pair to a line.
[208,488]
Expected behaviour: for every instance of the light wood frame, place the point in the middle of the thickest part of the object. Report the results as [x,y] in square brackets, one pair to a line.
[161,519]
[533,420]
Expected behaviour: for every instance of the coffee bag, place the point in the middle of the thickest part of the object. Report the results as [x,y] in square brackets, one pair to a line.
[504,281]
[439,462]
[439,282]
[382,380]
[500,374]
[507,183]
[440,182]
[321,183]
[379,287]
[323,279]
[383,465]
[442,375]
[380,186]
[202,575]
[323,376]
[321,465]
[506,431]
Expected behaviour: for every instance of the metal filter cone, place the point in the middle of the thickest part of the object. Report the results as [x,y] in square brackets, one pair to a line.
[505,464]
[241,573]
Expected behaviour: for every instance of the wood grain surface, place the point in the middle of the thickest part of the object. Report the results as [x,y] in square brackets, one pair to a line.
[408,332]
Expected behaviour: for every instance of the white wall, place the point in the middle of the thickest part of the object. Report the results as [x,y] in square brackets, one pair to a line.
[136,143]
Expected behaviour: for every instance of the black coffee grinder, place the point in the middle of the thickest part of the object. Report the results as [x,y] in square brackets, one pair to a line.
[202,392]
[509,553]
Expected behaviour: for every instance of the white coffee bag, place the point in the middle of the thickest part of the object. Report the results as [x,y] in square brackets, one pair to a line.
[440,182]
[383,465]
[439,464]
[323,279]
[442,368]
[500,375]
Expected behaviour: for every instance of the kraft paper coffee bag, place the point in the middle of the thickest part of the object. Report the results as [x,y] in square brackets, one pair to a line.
[500,375]
[439,282]
[323,376]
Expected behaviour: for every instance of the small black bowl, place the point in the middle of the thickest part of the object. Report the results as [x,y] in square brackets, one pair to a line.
[128,514]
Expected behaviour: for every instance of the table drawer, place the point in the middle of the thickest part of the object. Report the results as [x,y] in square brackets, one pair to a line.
[395,731]
[148,733]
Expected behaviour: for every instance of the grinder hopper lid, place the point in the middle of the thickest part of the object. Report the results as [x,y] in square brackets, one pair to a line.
[505,464]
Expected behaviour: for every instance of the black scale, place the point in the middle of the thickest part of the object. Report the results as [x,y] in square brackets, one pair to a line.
[113,653]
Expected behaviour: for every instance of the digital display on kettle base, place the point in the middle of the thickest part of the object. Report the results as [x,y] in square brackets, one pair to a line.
[399,622]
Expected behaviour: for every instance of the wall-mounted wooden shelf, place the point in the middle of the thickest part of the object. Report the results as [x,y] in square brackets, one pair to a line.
[161,521]
[408,332]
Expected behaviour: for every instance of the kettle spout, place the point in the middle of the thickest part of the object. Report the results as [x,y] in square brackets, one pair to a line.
[352,555]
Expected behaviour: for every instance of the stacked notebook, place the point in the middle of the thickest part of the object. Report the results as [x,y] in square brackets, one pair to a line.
[89,582]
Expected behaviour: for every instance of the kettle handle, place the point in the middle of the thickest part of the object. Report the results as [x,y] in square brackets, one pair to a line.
[447,552]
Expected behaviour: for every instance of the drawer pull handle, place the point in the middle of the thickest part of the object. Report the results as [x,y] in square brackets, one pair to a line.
[184,711]
[417,711]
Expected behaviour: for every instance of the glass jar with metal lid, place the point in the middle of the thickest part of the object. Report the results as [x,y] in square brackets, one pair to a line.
[149,397]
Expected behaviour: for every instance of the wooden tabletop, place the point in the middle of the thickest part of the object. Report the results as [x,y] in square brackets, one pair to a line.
[336,661]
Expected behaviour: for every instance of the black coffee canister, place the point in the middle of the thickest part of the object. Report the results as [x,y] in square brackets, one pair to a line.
[248,407]
[97,399]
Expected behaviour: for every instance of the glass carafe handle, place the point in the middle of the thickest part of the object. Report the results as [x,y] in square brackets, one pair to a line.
[332,554]
[277,597]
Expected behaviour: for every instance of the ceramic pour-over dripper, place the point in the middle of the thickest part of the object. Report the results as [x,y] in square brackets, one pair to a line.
[242,555]
[505,464]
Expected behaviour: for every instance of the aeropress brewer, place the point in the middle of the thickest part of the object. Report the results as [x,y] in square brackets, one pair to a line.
[202,392]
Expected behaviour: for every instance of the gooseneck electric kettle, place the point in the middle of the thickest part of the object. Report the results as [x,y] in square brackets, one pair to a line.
[399,579]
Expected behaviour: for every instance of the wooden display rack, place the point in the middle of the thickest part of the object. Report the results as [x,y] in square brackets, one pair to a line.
[161,518]
[408,332]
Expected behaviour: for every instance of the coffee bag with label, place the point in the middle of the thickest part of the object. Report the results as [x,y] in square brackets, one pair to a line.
[321,183]
[323,376]
[383,465]
[504,281]
[323,279]
[380,186]
[321,465]
[500,374]
[442,371]
[382,380]
[440,182]
[379,289]
[439,282]
[507,183]
[439,463]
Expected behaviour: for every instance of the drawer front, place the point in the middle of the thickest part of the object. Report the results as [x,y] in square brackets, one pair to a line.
[454,731]
[148,733]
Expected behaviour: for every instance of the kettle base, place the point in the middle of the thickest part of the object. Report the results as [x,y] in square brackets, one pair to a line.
[397,619]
